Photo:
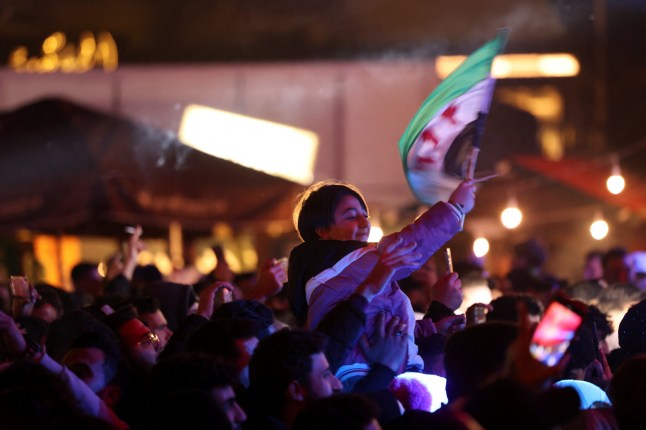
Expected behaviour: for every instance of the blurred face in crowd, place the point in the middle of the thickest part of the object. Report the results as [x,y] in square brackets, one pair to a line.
[45,312]
[351,222]
[321,381]
[616,270]
[593,268]
[157,323]
[87,364]
[226,398]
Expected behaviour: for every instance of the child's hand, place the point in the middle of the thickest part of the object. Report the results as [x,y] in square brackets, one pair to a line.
[399,255]
[464,196]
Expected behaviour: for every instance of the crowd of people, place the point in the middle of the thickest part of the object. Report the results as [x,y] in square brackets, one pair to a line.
[350,335]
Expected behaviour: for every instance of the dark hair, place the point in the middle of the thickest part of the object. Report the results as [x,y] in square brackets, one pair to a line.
[81,270]
[595,318]
[120,317]
[279,359]
[612,253]
[146,305]
[523,281]
[65,330]
[316,205]
[189,371]
[631,329]
[474,354]
[627,393]
[508,404]
[108,345]
[218,337]
[339,412]
[193,409]
[145,275]
[250,310]
[532,251]
[504,308]
[48,294]
[582,351]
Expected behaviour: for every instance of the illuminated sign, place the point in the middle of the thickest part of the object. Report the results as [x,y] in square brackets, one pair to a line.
[60,56]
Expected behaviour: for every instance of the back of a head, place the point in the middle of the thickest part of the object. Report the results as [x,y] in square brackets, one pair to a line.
[340,412]
[507,404]
[64,331]
[259,314]
[146,305]
[146,275]
[193,409]
[175,300]
[218,337]
[316,205]
[280,358]
[628,393]
[523,281]
[473,355]
[532,251]
[185,371]
[505,307]
[632,336]
[82,271]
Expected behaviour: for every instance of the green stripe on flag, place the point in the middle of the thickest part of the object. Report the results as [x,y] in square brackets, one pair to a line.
[474,69]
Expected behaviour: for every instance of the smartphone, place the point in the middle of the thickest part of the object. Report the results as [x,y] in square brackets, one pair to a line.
[476,314]
[20,287]
[555,331]
[284,263]
[223,295]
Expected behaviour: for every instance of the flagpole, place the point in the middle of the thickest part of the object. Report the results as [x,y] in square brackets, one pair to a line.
[479,129]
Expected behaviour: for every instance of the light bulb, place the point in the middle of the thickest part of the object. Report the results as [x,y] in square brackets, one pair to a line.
[480,247]
[511,217]
[599,229]
[616,184]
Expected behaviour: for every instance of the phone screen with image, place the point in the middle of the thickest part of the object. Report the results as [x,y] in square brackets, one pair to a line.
[554,333]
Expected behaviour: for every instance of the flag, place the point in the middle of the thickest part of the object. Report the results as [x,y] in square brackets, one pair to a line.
[437,144]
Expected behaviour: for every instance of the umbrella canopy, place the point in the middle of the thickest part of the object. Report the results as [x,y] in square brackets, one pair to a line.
[67,168]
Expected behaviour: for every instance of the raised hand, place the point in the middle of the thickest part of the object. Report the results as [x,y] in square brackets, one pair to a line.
[207,300]
[271,277]
[399,255]
[134,246]
[464,195]
[392,257]
[388,344]
[447,290]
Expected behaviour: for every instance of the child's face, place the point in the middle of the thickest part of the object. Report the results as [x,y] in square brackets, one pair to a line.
[350,222]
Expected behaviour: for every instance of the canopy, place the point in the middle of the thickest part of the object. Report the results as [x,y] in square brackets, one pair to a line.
[67,168]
